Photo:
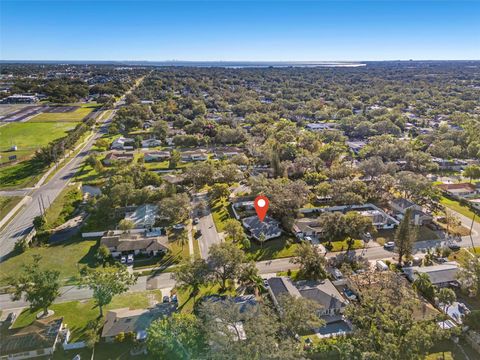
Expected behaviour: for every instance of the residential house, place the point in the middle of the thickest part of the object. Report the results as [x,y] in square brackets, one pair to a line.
[307,227]
[136,244]
[227,152]
[117,156]
[269,227]
[319,126]
[450,165]
[143,217]
[194,155]
[379,218]
[20,99]
[462,190]
[151,143]
[356,145]
[122,144]
[156,156]
[440,275]
[401,205]
[332,303]
[133,321]
[36,340]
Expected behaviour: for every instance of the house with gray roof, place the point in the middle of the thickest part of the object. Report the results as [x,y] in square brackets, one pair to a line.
[401,205]
[441,275]
[133,321]
[268,227]
[38,339]
[125,244]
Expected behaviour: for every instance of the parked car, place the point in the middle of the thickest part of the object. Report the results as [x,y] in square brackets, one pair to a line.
[389,245]
[367,237]
[349,294]
[166,299]
[123,260]
[196,221]
[11,317]
[178,227]
[453,246]
[174,298]
[130,259]
[337,274]
[309,239]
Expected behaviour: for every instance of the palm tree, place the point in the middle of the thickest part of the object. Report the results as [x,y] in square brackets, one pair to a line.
[424,285]
[250,279]
[183,238]
[446,297]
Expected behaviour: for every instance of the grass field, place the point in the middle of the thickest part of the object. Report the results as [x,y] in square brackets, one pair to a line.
[63,206]
[28,137]
[272,249]
[23,174]
[456,206]
[7,203]
[77,314]
[73,116]
[67,257]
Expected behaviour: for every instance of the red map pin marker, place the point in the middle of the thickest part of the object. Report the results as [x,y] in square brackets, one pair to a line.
[261,206]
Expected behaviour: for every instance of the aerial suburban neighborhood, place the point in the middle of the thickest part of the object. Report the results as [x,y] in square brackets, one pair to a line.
[238,209]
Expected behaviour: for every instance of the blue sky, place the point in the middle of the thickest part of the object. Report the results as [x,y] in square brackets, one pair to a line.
[239,30]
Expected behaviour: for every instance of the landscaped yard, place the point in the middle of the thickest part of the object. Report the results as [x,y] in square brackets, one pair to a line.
[67,257]
[424,233]
[186,303]
[7,203]
[76,314]
[221,213]
[281,247]
[456,206]
[71,116]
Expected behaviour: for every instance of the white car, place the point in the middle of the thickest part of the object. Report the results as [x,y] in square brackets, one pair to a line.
[178,227]
[123,259]
[389,245]
[130,258]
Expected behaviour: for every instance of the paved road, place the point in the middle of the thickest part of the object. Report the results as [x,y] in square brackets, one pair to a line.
[73,293]
[21,225]
[207,227]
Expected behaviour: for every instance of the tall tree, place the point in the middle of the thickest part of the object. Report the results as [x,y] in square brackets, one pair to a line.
[299,314]
[225,261]
[469,275]
[312,263]
[175,337]
[405,236]
[446,297]
[234,230]
[250,279]
[40,287]
[192,273]
[107,282]
[424,285]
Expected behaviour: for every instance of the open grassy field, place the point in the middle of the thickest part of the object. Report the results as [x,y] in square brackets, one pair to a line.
[63,206]
[272,249]
[28,137]
[77,314]
[67,257]
[73,116]
[7,203]
[23,174]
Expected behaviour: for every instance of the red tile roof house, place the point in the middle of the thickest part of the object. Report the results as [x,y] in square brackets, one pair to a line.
[462,190]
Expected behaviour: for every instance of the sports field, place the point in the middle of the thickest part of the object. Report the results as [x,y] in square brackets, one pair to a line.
[77,114]
[28,137]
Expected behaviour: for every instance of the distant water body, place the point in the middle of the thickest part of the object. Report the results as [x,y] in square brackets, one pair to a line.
[223,64]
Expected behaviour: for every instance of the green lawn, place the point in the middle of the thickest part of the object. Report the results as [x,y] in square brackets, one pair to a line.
[186,303]
[221,213]
[7,203]
[63,207]
[73,116]
[343,246]
[77,314]
[424,233]
[23,174]
[66,257]
[456,206]
[272,249]
[28,137]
